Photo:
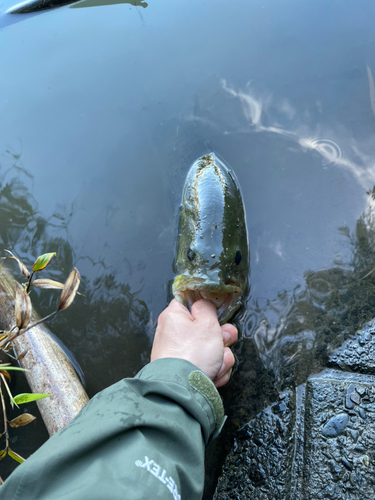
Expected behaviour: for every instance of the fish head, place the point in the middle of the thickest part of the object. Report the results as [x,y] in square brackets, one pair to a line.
[212,257]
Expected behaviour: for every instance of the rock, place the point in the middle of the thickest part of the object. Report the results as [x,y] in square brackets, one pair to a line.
[336,425]
[311,443]
[355,398]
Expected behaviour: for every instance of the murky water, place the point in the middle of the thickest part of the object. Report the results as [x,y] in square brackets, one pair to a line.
[103,110]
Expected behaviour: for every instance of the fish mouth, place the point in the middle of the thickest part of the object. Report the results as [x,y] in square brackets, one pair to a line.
[225,297]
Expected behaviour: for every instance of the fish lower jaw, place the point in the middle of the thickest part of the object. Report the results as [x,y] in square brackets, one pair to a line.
[225,303]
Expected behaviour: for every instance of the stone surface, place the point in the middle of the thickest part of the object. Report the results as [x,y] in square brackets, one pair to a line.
[261,458]
[317,442]
[335,443]
[357,354]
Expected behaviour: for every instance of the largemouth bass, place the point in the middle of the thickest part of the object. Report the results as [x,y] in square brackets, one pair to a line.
[212,258]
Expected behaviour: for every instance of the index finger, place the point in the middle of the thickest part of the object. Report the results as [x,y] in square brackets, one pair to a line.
[230,334]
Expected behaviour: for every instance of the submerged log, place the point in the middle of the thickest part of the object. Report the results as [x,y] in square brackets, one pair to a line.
[50,371]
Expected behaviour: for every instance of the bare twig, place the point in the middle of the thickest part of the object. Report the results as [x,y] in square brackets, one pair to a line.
[368,274]
[5,420]
[29,282]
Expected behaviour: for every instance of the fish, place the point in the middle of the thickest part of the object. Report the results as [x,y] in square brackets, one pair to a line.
[32,6]
[212,259]
[51,368]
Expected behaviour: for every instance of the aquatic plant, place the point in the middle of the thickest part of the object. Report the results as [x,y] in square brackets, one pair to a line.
[23,323]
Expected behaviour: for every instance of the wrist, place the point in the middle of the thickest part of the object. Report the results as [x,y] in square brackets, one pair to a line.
[189,387]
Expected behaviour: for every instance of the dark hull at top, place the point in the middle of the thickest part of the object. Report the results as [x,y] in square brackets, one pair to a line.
[212,259]
[30,6]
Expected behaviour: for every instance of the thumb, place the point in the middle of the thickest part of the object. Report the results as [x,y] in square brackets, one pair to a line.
[176,308]
[204,309]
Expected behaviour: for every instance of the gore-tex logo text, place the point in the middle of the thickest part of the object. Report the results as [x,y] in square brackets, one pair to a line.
[161,474]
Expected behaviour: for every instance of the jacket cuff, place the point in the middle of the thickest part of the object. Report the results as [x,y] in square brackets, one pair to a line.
[191,388]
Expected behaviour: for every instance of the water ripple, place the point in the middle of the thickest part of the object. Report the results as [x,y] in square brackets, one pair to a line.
[330,150]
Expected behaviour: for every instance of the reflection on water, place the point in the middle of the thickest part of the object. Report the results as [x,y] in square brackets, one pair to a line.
[106,327]
[371,89]
[328,149]
[263,115]
[98,3]
[105,306]
[295,331]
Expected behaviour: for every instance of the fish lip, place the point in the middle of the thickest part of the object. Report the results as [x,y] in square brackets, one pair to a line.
[205,284]
[225,311]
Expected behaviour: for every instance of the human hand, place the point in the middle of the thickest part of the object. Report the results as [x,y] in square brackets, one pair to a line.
[196,337]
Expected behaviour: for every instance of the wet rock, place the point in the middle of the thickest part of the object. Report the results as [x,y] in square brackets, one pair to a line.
[362,413]
[357,354]
[348,465]
[279,408]
[349,404]
[315,443]
[355,398]
[336,425]
[313,449]
[359,449]
[265,472]
[336,470]
[361,390]
[354,434]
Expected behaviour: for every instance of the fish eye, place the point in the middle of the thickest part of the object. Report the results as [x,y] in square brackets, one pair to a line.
[237,259]
[190,254]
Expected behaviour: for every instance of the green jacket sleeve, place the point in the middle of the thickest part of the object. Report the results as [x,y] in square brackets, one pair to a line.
[142,438]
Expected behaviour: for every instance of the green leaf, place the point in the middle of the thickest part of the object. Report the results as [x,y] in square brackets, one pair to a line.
[42,261]
[26,398]
[48,284]
[8,390]
[3,454]
[21,265]
[16,368]
[15,456]
[70,289]
[22,420]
